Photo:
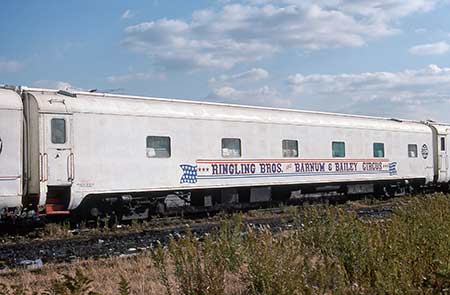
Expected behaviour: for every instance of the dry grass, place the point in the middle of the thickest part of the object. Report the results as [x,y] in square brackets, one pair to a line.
[332,252]
[105,275]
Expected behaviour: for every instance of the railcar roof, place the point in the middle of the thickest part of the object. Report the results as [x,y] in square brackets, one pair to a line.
[105,103]
[441,127]
[9,100]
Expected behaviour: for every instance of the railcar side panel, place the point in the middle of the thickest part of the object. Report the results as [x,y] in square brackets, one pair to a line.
[444,156]
[441,133]
[121,145]
[111,154]
[11,126]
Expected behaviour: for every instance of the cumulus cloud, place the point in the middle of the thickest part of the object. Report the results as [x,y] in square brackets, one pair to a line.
[253,75]
[419,94]
[263,96]
[51,84]
[136,77]
[430,49]
[240,89]
[250,31]
[127,14]
[420,30]
[172,45]
[10,66]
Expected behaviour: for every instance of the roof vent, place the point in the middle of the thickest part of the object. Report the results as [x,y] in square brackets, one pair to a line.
[66,93]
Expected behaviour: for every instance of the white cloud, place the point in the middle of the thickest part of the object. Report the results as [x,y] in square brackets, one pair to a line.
[171,44]
[127,14]
[250,31]
[430,49]
[419,94]
[253,75]
[240,89]
[420,30]
[263,96]
[10,66]
[136,77]
[51,84]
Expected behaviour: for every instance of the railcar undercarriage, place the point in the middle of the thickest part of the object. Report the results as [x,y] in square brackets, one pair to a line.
[110,209]
[114,208]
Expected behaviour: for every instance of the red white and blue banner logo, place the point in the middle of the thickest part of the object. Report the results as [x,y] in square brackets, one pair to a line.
[228,169]
[189,174]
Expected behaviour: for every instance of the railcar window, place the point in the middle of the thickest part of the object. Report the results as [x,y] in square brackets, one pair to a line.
[442,143]
[412,150]
[378,150]
[58,131]
[290,148]
[231,148]
[158,147]
[338,148]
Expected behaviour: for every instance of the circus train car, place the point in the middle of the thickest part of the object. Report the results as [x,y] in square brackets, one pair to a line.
[94,154]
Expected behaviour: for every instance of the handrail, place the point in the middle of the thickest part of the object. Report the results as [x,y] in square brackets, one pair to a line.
[41,167]
[72,157]
[45,168]
[70,167]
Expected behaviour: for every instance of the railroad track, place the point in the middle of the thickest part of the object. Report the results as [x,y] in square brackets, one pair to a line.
[87,243]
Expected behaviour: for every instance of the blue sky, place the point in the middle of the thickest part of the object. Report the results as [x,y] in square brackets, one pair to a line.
[384,58]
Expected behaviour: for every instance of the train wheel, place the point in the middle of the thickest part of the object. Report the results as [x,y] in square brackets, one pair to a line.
[281,195]
[112,220]
[161,208]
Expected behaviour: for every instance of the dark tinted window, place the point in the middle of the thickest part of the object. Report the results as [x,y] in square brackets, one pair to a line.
[378,150]
[231,148]
[442,143]
[290,148]
[412,150]
[58,131]
[158,147]
[338,149]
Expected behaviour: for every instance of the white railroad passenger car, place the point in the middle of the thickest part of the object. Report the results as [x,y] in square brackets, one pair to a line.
[100,153]
[11,135]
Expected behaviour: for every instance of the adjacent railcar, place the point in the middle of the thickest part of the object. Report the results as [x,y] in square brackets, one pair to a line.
[11,136]
[100,153]
[441,136]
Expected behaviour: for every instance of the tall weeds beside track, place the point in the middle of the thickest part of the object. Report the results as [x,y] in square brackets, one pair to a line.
[331,250]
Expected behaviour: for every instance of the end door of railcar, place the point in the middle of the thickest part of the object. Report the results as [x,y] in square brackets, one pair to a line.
[444,155]
[58,161]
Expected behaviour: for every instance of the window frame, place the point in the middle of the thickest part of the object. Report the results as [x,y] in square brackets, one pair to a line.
[416,150]
[332,149]
[149,137]
[296,148]
[231,138]
[52,133]
[375,150]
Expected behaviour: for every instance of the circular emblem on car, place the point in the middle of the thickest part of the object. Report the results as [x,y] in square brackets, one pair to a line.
[425,151]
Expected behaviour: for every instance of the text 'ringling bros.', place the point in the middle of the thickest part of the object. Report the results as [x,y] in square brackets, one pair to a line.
[219,169]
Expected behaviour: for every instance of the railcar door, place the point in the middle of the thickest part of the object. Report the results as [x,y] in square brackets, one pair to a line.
[443,158]
[58,157]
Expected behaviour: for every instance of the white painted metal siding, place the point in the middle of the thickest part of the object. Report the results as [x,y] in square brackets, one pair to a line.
[110,151]
[109,143]
[11,149]
[443,152]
